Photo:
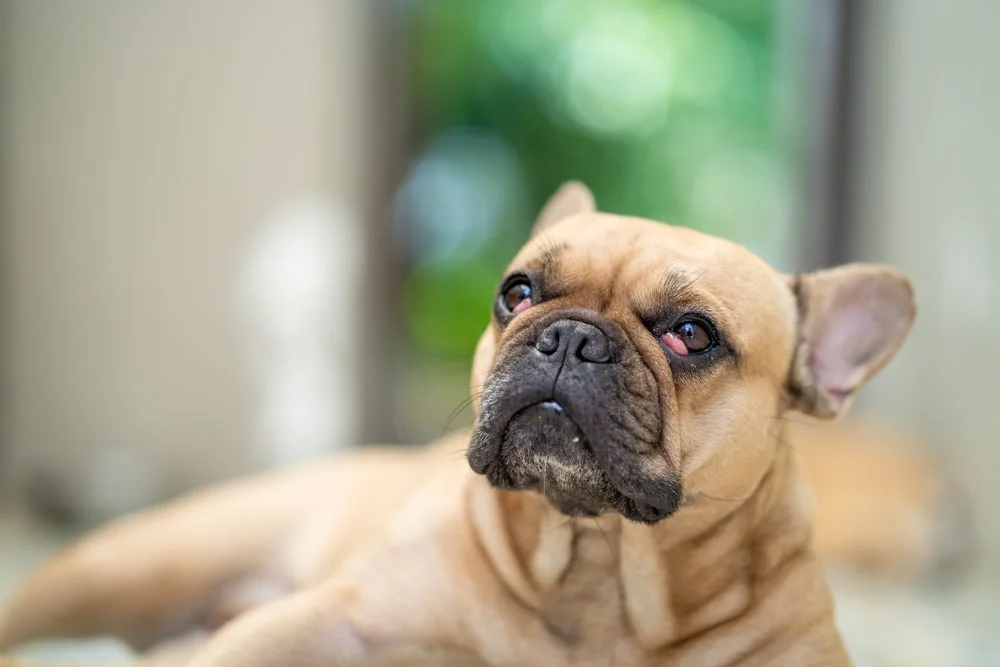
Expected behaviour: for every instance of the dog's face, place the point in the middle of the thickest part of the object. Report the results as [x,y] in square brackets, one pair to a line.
[630,362]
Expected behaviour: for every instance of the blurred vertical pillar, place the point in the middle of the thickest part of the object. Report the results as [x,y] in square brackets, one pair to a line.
[177,179]
[927,200]
[388,151]
[819,53]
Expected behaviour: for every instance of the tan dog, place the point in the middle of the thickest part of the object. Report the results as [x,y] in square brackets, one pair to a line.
[631,499]
[883,503]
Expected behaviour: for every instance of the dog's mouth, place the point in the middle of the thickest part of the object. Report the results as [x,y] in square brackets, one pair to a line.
[543,449]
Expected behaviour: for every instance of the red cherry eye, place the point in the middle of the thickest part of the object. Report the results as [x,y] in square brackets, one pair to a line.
[516,297]
[688,337]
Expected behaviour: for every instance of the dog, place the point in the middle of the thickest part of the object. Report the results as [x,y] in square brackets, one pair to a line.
[625,496]
[883,504]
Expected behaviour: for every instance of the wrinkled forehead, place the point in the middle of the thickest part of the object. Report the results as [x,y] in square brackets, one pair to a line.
[644,267]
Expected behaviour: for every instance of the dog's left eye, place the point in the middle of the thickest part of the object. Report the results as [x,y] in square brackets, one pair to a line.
[689,336]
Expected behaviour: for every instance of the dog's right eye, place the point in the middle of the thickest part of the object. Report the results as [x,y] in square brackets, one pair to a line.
[516,295]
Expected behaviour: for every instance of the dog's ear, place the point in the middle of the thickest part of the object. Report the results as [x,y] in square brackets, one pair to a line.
[571,198]
[852,319]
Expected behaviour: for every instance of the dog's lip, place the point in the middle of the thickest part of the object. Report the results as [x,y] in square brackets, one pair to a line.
[485,459]
[548,405]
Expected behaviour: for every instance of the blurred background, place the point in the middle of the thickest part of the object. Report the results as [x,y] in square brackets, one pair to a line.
[236,235]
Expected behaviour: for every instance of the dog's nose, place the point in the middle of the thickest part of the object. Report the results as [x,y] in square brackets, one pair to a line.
[572,339]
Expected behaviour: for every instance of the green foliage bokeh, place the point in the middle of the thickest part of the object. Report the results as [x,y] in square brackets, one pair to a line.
[667,109]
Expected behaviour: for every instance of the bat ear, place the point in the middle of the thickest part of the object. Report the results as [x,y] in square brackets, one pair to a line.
[572,198]
[852,319]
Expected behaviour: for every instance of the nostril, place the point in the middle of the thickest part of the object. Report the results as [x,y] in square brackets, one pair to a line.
[595,349]
[548,342]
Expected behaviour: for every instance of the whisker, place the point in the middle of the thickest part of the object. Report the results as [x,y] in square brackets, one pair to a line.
[458,410]
[455,454]
[784,441]
[724,500]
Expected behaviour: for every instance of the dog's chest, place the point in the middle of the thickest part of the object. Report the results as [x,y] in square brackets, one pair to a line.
[585,613]
[603,613]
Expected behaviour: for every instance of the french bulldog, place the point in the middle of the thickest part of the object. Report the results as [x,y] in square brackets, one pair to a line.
[626,496]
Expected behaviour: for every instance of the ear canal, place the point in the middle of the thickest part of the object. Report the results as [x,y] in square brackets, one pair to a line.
[572,198]
[852,320]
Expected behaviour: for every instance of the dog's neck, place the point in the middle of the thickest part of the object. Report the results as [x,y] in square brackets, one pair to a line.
[669,582]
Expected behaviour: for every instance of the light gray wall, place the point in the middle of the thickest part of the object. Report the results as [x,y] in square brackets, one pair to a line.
[928,183]
[179,224]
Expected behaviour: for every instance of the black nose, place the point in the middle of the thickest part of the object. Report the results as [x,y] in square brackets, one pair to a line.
[575,340]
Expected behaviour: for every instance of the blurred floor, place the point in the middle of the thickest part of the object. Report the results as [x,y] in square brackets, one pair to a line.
[885,624]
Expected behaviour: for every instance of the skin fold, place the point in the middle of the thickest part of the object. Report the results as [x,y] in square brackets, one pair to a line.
[621,500]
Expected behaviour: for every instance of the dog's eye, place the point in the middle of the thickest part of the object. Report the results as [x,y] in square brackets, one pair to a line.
[516,296]
[689,337]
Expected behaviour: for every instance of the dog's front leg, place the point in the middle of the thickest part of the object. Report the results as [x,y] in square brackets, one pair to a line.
[324,627]
[306,629]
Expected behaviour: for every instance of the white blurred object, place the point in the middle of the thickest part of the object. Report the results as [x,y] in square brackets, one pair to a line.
[300,299]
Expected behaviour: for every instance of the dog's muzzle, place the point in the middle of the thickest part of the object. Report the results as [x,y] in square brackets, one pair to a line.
[561,414]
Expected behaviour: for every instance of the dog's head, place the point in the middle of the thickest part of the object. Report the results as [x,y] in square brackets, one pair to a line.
[629,362]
